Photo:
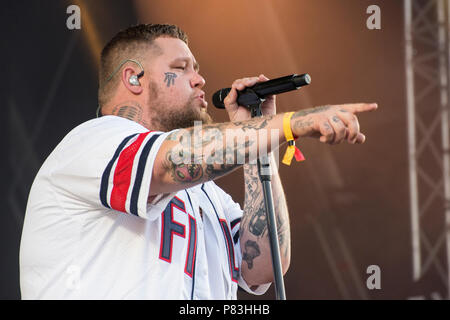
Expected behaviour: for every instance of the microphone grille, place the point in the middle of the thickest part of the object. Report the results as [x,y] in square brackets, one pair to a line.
[307,78]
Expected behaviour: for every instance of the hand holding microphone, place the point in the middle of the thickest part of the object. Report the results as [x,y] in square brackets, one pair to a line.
[331,124]
[250,91]
[249,95]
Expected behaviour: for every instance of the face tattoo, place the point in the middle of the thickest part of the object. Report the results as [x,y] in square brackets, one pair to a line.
[170,78]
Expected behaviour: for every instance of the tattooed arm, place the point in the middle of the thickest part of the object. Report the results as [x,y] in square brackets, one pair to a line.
[254,239]
[195,155]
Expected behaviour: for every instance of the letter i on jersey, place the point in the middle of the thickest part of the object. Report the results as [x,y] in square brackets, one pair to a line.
[169,228]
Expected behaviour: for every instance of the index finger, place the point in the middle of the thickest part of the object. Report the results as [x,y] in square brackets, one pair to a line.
[359,107]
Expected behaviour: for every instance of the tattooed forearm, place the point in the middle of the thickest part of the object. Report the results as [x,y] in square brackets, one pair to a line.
[257,224]
[203,154]
[217,171]
[254,124]
[183,173]
[305,112]
[254,220]
[251,251]
[190,170]
[283,229]
[191,173]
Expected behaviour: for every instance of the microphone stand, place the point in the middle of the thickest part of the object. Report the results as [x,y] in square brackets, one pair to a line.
[265,173]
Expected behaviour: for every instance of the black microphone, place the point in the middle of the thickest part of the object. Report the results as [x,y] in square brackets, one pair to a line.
[253,95]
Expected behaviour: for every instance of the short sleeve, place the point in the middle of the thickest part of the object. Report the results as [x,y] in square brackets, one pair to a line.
[233,213]
[109,164]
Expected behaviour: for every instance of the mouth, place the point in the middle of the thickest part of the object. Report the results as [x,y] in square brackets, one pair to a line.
[201,97]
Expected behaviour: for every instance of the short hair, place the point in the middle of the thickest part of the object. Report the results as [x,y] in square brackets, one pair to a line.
[129,44]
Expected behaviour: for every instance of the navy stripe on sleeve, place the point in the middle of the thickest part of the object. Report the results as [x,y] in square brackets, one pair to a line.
[107,172]
[235,222]
[236,237]
[140,174]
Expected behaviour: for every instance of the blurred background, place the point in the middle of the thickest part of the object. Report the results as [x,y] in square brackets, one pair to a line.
[383,203]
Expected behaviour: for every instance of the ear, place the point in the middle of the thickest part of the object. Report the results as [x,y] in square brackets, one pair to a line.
[127,72]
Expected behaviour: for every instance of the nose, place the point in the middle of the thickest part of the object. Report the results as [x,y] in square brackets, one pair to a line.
[197,81]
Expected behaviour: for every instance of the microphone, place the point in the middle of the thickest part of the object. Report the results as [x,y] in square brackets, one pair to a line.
[253,95]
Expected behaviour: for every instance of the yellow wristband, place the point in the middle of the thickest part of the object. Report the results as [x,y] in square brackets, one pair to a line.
[291,150]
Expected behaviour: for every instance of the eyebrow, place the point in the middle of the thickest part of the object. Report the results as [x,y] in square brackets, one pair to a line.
[196,64]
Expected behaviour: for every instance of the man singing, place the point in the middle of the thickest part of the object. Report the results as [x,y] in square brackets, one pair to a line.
[114,214]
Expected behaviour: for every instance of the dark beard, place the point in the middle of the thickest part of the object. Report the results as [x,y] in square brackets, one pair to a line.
[185,118]
[165,120]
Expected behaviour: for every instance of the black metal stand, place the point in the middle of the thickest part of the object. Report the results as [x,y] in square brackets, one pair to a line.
[265,176]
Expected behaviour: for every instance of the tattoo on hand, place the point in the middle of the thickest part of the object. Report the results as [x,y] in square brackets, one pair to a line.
[336,119]
[301,124]
[170,78]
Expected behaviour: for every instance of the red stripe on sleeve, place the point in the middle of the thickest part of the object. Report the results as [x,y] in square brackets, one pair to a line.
[122,174]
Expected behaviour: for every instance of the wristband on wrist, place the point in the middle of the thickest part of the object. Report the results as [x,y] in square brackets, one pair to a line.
[291,150]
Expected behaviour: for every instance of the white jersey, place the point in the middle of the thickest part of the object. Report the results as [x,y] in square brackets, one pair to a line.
[90,233]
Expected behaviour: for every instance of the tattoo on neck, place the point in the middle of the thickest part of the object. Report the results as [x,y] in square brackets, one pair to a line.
[170,78]
[129,110]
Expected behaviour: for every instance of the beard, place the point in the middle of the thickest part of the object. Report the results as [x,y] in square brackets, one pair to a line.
[165,118]
[179,119]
